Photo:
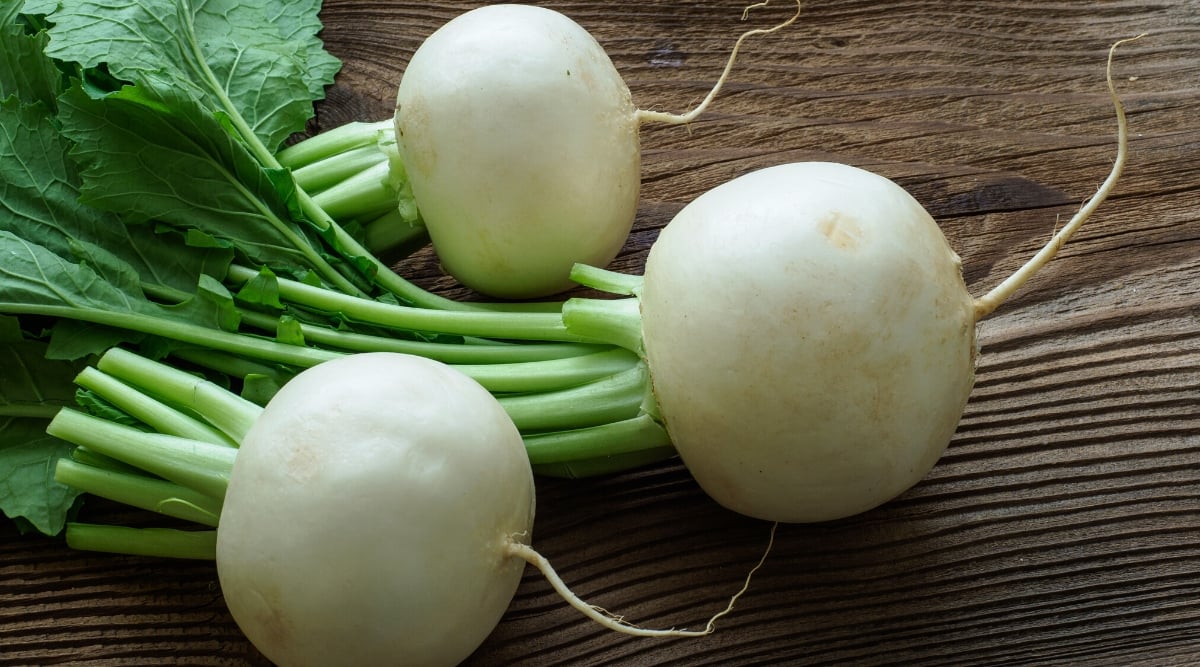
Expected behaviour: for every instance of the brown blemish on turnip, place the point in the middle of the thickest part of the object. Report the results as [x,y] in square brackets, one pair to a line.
[842,230]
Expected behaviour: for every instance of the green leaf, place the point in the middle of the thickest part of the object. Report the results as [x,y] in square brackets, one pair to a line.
[35,281]
[32,390]
[37,6]
[289,331]
[33,386]
[212,306]
[39,199]
[152,154]
[27,487]
[259,60]
[261,290]
[259,389]
[25,72]
[10,329]
[74,339]
[98,406]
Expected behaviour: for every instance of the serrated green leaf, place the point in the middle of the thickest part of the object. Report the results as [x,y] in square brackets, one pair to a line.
[261,61]
[261,290]
[25,72]
[75,339]
[94,313]
[154,155]
[289,331]
[35,280]
[211,306]
[33,386]
[27,486]
[32,390]
[39,199]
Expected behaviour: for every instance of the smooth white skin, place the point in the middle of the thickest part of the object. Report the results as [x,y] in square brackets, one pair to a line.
[369,514]
[521,143]
[810,339]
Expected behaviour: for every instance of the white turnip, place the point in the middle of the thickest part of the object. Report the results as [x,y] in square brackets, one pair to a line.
[809,337]
[863,341]
[379,512]
[520,140]
[369,513]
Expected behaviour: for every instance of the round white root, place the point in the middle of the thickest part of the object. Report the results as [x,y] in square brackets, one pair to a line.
[618,623]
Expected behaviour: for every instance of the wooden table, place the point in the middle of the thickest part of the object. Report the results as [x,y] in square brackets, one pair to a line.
[1063,524]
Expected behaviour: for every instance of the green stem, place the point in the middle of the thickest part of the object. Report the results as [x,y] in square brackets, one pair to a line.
[184,332]
[599,449]
[154,413]
[609,399]
[366,194]
[233,365]
[87,457]
[235,415]
[148,493]
[381,274]
[614,321]
[394,236]
[199,466]
[486,352]
[330,171]
[606,281]
[297,241]
[29,410]
[333,142]
[230,413]
[605,465]
[153,542]
[488,324]
[629,435]
[552,374]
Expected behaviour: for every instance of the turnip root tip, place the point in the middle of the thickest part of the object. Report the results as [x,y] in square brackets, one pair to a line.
[644,115]
[618,623]
[988,303]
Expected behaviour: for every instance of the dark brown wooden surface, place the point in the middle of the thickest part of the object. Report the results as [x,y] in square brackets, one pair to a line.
[1062,525]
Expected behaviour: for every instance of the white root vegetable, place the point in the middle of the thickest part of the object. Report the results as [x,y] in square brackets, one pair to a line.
[520,139]
[379,512]
[809,337]
[862,340]
[369,514]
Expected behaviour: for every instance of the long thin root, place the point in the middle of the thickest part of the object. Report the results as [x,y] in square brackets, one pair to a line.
[684,118]
[616,622]
[987,303]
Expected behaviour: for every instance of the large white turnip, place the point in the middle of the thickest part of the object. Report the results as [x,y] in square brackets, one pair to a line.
[809,337]
[379,512]
[520,139]
[369,514]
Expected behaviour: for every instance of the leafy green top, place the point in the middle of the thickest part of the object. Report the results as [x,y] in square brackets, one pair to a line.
[259,60]
[136,141]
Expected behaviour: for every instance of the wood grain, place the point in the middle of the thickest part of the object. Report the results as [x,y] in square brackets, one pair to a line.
[1062,525]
